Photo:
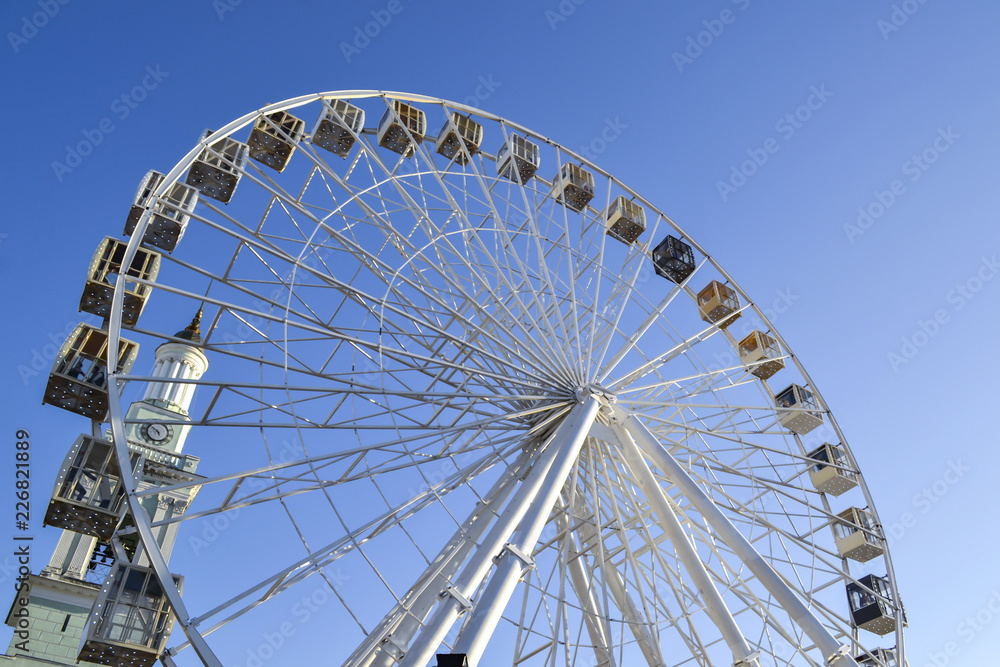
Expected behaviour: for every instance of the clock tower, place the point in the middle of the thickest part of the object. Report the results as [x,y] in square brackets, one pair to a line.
[168,402]
[62,594]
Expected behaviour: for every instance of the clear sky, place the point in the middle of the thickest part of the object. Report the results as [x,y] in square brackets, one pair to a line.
[839,159]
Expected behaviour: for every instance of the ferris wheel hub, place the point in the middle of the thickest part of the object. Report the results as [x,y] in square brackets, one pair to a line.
[604,395]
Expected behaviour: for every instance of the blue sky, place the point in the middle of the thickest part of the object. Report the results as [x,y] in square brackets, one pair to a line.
[838,159]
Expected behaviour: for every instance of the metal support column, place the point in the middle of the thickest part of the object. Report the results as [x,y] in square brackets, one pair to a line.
[486,613]
[566,441]
[714,604]
[835,654]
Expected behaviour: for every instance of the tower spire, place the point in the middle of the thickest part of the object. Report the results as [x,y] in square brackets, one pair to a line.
[192,332]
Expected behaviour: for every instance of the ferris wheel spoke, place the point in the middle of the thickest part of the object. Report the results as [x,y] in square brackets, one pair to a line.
[454,282]
[501,230]
[641,616]
[641,330]
[582,584]
[346,288]
[688,599]
[318,559]
[434,233]
[534,234]
[614,590]
[624,382]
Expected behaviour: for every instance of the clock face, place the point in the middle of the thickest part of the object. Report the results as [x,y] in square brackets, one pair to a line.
[156,433]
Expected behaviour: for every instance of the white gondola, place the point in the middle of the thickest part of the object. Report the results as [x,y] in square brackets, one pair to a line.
[831,473]
[797,409]
[78,381]
[761,354]
[130,621]
[673,259]
[574,186]
[88,497]
[218,169]
[518,159]
[872,606]
[718,304]
[274,138]
[169,214]
[856,535]
[461,131]
[106,270]
[336,128]
[625,220]
[402,128]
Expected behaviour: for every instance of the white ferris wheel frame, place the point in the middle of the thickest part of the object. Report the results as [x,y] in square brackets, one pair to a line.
[629,431]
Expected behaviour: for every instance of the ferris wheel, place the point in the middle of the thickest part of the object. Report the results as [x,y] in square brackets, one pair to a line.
[490,401]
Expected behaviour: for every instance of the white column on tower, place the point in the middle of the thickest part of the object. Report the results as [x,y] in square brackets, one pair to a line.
[176,361]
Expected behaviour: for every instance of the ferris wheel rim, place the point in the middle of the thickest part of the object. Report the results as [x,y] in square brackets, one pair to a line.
[115,324]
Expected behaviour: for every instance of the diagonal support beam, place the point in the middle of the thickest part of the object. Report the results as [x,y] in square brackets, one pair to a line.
[536,496]
[835,654]
[568,441]
[399,626]
[714,604]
